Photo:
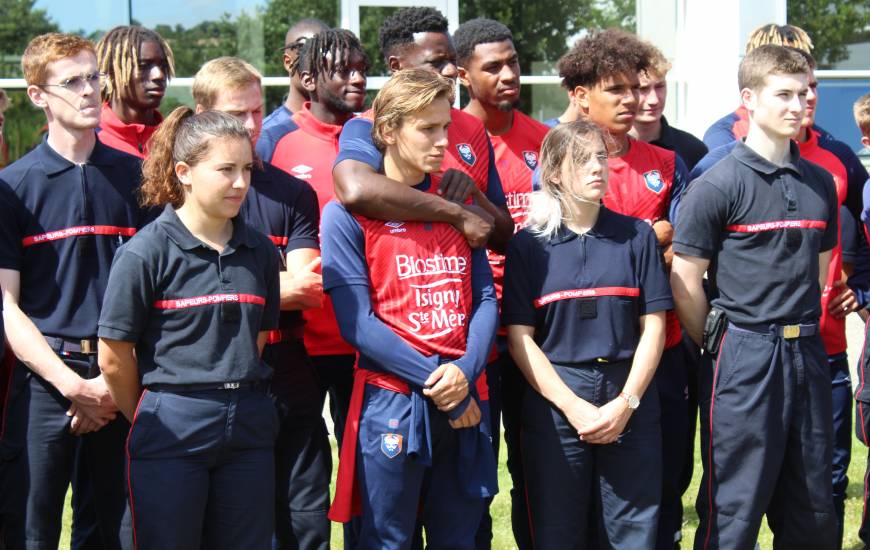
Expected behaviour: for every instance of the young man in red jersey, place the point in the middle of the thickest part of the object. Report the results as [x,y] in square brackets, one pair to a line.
[332,67]
[645,182]
[418,37]
[489,68]
[138,64]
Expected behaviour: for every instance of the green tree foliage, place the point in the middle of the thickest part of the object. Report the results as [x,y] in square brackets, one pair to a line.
[832,24]
[19,22]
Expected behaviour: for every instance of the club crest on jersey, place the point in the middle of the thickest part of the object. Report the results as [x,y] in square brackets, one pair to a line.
[466,153]
[531,159]
[654,181]
[391,445]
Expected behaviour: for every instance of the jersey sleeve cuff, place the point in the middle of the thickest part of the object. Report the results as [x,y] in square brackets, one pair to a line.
[303,242]
[113,333]
[692,250]
[516,319]
[459,409]
[357,156]
[657,304]
[329,284]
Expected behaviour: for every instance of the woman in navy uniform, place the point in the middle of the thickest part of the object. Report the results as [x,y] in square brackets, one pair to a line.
[584,301]
[194,295]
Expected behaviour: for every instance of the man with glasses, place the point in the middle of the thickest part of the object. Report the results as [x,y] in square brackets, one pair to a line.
[66,208]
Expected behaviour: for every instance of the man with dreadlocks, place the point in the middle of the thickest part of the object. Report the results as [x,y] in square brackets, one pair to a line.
[137,64]
[332,67]
[278,122]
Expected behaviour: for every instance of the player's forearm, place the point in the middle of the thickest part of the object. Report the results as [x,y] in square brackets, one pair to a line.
[30,347]
[824,263]
[503,223]
[121,372]
[363,191]
[647,355]
[298,294]
[690,300]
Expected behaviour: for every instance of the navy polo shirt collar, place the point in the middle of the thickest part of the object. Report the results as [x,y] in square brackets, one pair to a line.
[603,228]
[760,164]
[54,163]
[181,235]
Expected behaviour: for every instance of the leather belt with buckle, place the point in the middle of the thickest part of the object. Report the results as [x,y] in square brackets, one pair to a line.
[790,332]
[84,346]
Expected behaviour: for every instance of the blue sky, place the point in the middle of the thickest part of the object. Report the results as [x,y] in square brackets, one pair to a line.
[92,15]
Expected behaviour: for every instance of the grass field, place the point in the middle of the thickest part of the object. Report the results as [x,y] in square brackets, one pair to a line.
[503,538]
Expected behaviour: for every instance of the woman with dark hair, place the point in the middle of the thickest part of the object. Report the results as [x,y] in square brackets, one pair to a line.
[189,305]
[585,297]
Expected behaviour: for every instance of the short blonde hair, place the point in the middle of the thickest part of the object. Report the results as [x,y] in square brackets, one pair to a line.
[658,63]
[47,48]
[407,92]
[220,74]
[862,114]
[780,35]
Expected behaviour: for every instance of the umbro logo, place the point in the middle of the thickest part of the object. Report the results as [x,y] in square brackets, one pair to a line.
[302,171]
[396,227]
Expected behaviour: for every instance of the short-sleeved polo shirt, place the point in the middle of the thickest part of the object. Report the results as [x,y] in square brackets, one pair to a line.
[584,294]
[194,314]
[285,210]
[62,224]
[762,227]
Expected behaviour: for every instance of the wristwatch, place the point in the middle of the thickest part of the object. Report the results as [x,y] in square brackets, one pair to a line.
[632,400]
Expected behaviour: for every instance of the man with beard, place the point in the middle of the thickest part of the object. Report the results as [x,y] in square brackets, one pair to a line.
[489,68]
[138,64]
[278,122]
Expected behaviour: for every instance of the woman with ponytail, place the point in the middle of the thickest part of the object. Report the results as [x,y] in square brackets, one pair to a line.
[190,301]
[585,297]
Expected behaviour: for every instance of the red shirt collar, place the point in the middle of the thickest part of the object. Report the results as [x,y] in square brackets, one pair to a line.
[133,134]
[306,120]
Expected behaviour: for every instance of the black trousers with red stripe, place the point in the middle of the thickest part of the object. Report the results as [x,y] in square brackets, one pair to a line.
[766,443]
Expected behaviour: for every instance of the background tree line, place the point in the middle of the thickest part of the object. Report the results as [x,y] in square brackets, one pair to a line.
[542,32]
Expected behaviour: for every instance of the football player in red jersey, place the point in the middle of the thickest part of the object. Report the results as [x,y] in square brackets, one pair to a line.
[489,68]
[418,304]
[418,38]
[137,63]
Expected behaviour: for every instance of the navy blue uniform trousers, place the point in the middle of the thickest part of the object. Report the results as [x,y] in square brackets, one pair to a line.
[841,401]
[574,486]
[201,469]
[303,457]
[13,457]
[677,412]
[92,463]
[396,487]
[766,441]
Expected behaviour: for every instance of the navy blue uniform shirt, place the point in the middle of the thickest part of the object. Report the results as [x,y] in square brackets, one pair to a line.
[194,314]
[687,146]
[62,224]
[762,227]
[286,210]
[275,126]
[584,294]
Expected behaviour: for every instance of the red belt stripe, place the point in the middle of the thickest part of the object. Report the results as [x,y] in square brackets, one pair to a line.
[278,240]
[78,232]
[777,225]
[586,293]
[210,299]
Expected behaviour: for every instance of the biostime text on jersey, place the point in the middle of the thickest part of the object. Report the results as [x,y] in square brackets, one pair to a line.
[437,308]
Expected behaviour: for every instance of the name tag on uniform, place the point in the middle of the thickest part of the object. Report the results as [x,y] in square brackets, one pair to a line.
[588,308]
